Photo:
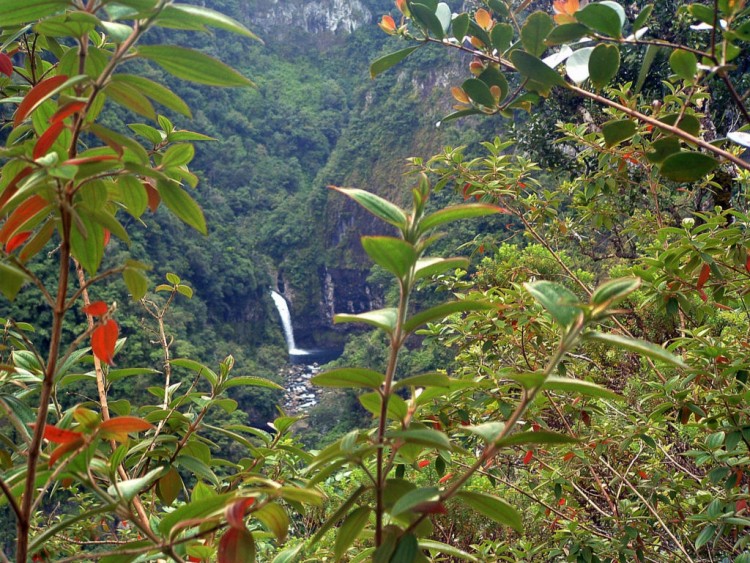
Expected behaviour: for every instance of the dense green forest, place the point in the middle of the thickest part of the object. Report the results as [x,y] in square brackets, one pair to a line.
[569,385]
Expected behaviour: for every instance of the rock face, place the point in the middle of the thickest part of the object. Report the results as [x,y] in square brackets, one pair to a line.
[300,394]
[322,16]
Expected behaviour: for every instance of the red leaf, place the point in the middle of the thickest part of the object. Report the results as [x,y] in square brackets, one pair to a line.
[17,241]
[153,197]
[747,263]
[96,309]
[561,502]
[12,187]
[703,295]
[685,415]
[6,65]
[568,456]
[124,424]
[35,96]
[236,546]
[642,474]
[66,111]
[103,341]
[430,507]
[23,213]
[60,435]
[704,275]
[64,448]
[235,512]
[527,457]
[48,139]
[107,235]
[422,463]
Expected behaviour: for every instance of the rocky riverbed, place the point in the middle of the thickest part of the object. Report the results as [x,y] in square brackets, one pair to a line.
[300,395]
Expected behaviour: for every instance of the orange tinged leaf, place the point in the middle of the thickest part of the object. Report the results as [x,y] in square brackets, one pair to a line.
[642,474]
[568,456]
[96,309]
[235,512]
[460,95]
[236,546]
[48,139]
[63,449]
[564,10]
[103,341]
[66,111]
[16,241]
[90,159]
[703,276]
[21,215]
[153,197]
[36,95]
[6,65]
[124,424]
[430,507]
[387,24]
[483,19]
[747,263]
[445,478]
[107,236]
[60,435]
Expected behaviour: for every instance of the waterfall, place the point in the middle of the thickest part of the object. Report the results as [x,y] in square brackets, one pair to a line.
[286,322]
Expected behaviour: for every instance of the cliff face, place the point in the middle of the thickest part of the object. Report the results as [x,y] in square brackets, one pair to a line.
[322,16]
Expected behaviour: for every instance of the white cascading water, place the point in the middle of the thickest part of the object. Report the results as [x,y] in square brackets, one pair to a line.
[286,322]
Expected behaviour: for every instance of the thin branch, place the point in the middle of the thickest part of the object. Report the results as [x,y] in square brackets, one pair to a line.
[11,499]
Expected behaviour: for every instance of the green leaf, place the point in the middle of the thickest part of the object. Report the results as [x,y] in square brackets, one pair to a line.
[157,92]
[639,346]
[427,267]
[566,33]
[174,15]
[384,319]
[406,550]
[493,77]
[69,24]
[439,312]
[643,16]
[87,242]
[684,64]
[395,255]
[648,60]
[193,66]
[129,489]
[197,467]
[445,549]
[560,302]
[178,155]
[603,64]
[459,114]
[130,98]
[289,555]
[501,36]
[251,381]
[16,13]
[460,26]
[136,282]
[349,378]
[601,18]
[423,436]
[275,518]
[705,536]
[200,369]
[425,16]
[662,149]
[494,508]
[182,205]
[350,529]
[542,78]
[414,498]
[456,212]
[373,401]
[386,62]
[687,122]
[555,383]
[540,437]
[431,379]
[488,431]
[534,31]
[381,208]
[479,92]
[11,280]
[577,65]
[614,291]
[687,166]
[618,130]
